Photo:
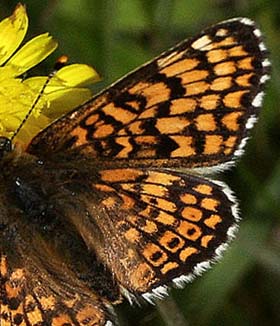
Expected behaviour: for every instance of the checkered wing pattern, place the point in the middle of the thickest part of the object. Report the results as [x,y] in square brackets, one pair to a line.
[164,226]
[29,297]
[190,107]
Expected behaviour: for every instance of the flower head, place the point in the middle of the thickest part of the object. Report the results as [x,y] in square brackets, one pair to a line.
[66,89]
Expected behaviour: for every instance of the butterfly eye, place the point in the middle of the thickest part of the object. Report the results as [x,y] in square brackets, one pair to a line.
[5,146]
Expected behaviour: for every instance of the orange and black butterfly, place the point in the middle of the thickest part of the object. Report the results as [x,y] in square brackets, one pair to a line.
[112,201]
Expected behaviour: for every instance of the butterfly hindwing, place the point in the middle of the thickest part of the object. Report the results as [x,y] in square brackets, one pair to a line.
[29,297]
[190,107]
[163,225]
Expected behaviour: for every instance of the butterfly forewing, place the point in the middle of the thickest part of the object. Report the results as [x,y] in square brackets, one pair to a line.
[190,107]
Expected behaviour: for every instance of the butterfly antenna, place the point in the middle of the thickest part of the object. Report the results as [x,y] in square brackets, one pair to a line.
[61,61]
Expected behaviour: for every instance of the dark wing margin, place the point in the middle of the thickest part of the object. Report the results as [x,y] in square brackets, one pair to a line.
[190,107]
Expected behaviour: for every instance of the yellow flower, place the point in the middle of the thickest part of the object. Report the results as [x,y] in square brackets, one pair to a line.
[65,90]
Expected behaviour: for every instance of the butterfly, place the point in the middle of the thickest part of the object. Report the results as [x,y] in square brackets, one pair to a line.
[113,200]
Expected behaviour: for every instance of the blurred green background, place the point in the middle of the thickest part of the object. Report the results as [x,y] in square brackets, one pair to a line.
[117,36]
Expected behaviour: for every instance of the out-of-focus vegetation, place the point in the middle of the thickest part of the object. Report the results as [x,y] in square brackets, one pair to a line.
[117,36]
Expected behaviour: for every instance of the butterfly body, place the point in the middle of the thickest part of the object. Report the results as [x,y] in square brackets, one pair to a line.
[113,200]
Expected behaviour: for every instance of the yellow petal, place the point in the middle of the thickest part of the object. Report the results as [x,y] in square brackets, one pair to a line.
[16,99]
[63,91]
[76,75]
[31,128]
[61,99]
[35,83]
[12,32]
[14,94]
[6,72]
[33,52]
[64,100]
